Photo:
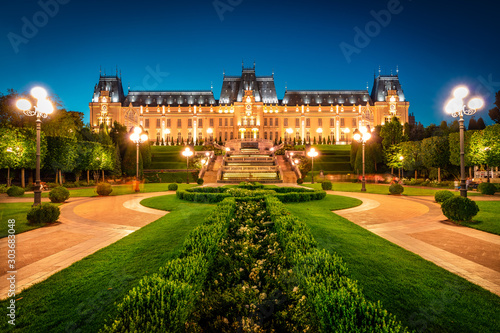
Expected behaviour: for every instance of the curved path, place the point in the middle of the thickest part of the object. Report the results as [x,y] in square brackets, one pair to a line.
[85,226]
[418,225]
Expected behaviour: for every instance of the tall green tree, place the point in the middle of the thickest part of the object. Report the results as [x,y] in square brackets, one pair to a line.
[62,155]
[495,112]
[412,156]
[436,153]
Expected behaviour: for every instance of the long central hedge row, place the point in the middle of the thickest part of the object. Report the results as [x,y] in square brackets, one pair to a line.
[254,267]
[217,194]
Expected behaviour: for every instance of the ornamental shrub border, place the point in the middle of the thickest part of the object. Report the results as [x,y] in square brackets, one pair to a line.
[163,302]
[336,300]
[217,194]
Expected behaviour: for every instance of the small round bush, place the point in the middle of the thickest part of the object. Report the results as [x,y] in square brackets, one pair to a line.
[396,189]
[173,187]
[300,181]
[487,188]
[200,181]
[59,194]
[459,209]
[443,195]
[15,191]
[326,185]
[44,213]
[104,189]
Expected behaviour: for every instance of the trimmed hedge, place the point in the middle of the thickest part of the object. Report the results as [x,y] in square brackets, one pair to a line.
[217,194]
[326,185]
[487,188]
[443,195]
[104,189]
[15,191]
[44,213]
[459,209]
[251,185]
[164,301]
[173,187]
[396,188]
[336,301]
[59,194]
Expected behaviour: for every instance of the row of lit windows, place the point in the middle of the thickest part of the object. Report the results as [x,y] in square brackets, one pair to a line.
[267,122]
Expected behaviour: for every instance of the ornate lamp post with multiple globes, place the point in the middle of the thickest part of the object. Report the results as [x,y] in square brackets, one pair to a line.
[362,135]
[457,108]
[138,137]
[41,110]
[186,153]
[312,153]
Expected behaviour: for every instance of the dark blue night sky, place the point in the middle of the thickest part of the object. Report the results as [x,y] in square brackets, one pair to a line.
[436,45]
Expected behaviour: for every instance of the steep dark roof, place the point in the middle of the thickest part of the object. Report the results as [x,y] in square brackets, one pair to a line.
[326,97]
[113,84]
[233,87]
[164,97]
[382,84]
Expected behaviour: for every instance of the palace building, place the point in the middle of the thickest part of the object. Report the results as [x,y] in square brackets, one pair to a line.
[248,107]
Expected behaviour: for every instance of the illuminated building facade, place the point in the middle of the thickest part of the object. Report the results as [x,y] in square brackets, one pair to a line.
[248,107]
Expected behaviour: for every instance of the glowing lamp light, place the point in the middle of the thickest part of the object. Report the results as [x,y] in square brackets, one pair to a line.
[319,130]
[23,104]
[228,149]
[346,130]
[134,137]
[453,105]
[210,130]
[144,137]
[363,129]
[167,131]
[289,130]
[476,103]
[39,93]
[45,106]
[296,161]
[137,130]
[357,136]
[366,136]
[460,92]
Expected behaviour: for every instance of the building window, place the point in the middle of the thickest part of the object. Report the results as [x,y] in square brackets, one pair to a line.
[200,123]
[271,122]
[332,122]
[231,122]
[285,122]
[146,123]
[265,135]
[190,136]
[179,123]
[169,123]
[179,136]
[231,135]
[225,122]
[297,122]
[342,122]
[308,122]
[190,123]
[332,136]
[276,122]
[211,122]
[297,135]
[277,135]
[158,123]
[308,137]
[200,136]
[354,123]
[225,136]
[265,121]
[270,135]
[220,122]
[320,122]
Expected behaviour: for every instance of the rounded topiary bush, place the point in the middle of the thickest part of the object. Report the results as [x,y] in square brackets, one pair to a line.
[178,180]
[15,191]
[200,181]
[326,185]
[443,195]
[459,209]
[173,187]
[487,188]
[396,189]
[59,194]
[300,181]
[104,189]
[44,213]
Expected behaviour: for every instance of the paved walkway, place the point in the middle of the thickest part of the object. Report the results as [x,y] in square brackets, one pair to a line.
[85,226]
[418,225]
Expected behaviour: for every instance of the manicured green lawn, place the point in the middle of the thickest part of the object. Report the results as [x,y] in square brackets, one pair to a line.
[488,218]
[422,295]
[81,297]
[117,190]
[381,189]
[16,211]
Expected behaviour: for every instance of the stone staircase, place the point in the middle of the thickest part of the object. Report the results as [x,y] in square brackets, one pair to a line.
[289,176]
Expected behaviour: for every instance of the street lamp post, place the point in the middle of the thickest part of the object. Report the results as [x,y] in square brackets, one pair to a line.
[456,108]
[138,137]
[312,153]
[186,153]
[362,135]
[401,158]
[43,108]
